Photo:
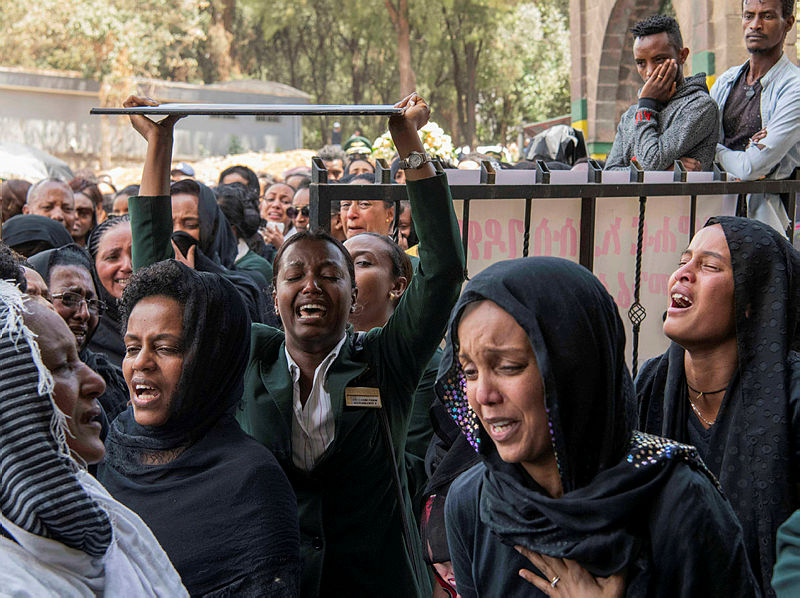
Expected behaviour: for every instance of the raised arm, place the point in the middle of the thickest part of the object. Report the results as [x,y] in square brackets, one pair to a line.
[151,211]
[411,335]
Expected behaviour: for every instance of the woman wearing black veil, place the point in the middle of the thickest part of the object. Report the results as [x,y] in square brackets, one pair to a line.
[730,382]
[204,239]
[534,374]
[216,500]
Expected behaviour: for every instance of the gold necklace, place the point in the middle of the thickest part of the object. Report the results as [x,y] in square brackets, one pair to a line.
[699,396]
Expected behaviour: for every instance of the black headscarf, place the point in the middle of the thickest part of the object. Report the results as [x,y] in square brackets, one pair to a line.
[751,443]
[115,398]
[609,473]
[240,533]
[211,382]
[217,241]
[107,339]
[217,249]
[30,228]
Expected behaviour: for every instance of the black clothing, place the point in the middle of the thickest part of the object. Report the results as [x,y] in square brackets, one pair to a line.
[216,500]
[624,492]
[25,229]
[753,444]
[115,398]
[223,511]
[107,337]
[741,118]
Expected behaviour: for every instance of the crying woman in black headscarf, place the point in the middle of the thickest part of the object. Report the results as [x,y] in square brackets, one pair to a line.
[535,376]
[730,382]
[216,500]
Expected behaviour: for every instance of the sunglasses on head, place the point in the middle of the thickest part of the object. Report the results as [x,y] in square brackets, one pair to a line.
[292,211]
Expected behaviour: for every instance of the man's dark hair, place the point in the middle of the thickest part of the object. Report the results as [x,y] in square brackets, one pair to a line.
[253,185]
[130,191]
[656,24]
[318,236]
[787,8]
[10,268]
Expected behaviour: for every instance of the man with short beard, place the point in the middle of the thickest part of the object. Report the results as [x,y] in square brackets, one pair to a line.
[759,103]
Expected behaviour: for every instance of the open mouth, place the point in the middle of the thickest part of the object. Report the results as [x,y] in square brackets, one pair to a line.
[680,301]
[145,393]
[79,332]
[501,429]
[311,311]
[123,282]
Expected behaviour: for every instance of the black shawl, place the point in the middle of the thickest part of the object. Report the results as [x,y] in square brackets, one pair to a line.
[751,446]
[115,398]
[611,476]
[29,228]
[222,509]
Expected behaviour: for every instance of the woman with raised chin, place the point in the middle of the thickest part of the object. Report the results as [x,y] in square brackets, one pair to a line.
[730,382]
[534,373]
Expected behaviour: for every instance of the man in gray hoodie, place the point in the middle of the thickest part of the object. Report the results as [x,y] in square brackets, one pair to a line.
[675,118]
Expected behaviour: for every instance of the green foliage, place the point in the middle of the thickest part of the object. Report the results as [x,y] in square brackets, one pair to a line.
[486,66]
[110,41]
[530,71]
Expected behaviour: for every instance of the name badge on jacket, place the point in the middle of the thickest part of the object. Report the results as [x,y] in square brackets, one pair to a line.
[362,396]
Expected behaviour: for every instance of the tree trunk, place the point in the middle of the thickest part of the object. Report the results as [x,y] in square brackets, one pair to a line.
[399,16]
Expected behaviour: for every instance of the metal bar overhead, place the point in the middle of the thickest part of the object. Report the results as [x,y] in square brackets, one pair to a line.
[255,110]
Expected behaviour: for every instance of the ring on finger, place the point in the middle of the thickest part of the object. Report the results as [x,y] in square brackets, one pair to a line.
[554,581]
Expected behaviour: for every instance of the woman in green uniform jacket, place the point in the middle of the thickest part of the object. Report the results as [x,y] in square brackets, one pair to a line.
[353,537]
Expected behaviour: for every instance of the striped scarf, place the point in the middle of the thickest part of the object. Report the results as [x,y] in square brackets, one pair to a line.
[39,491]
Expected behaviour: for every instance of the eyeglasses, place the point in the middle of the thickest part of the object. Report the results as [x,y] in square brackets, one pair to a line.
[292,211]
[73,301]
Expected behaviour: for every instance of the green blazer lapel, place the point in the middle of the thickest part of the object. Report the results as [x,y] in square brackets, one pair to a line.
[343,371]
[279,385]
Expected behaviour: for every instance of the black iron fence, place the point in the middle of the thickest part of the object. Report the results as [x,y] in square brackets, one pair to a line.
[590,193]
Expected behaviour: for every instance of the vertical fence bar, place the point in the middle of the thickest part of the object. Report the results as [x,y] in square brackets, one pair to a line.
[319,202]
[588,217]
[383,176]
[637,313]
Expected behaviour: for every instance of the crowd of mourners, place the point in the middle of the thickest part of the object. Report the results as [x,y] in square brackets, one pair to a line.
[202,395]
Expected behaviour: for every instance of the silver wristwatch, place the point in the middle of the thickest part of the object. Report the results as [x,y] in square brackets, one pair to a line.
[414,160]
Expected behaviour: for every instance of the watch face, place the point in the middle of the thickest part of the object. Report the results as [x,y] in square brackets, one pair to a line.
[415,160]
